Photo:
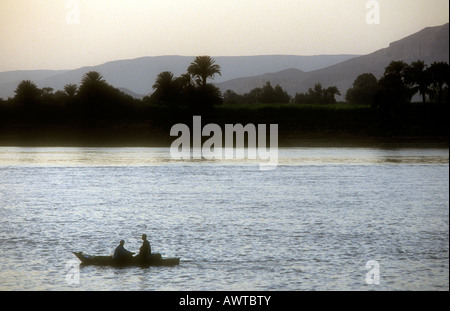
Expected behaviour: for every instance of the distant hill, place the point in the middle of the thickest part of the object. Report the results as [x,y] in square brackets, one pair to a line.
[136,76]
[243,73]
[430,44]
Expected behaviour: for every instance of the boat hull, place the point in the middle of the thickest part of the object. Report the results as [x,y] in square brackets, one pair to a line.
[154,260]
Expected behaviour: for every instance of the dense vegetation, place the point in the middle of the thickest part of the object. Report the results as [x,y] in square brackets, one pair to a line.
[94,112]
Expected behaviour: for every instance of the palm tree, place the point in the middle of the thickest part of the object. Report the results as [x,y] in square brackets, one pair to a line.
[92,86]
[393,83]
[166,88]
[164,81]
[396,68]
[202,68]
[70,90]
[418,77]
[331,92]
[440,75]
[27,93]
[92,77]
[184,80]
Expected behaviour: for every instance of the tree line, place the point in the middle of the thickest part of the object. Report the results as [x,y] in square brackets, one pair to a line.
[276,95]
[94,99]
[190,89]
[400,82]
[265,95]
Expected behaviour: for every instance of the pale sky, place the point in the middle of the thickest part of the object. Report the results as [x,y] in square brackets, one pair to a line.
[68,34]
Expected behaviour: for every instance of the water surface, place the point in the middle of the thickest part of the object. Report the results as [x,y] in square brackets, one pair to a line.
[310,224]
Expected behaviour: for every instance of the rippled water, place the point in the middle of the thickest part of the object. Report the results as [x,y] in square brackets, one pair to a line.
[311,224]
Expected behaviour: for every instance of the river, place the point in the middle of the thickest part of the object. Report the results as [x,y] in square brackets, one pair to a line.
[324,219]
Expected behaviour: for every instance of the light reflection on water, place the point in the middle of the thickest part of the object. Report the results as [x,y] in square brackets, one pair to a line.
[311,224]
[72,156]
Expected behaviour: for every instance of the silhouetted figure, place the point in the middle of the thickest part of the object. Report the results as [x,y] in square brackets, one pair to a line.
[121,254]
[145,250]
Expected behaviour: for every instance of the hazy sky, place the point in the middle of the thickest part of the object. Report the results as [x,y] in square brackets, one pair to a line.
[67,34]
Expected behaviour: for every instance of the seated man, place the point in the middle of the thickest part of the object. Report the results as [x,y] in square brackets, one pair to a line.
[121,254]
[145,250]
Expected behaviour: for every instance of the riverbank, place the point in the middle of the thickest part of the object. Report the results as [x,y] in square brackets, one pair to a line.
[418,125]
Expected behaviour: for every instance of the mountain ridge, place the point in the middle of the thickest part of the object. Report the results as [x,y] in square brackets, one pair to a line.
[430,44]
[295,73]
[138,75]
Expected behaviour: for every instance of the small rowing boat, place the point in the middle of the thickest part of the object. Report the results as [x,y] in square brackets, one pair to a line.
[153,260]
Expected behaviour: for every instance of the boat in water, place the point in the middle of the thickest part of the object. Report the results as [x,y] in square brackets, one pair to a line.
[153,260]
